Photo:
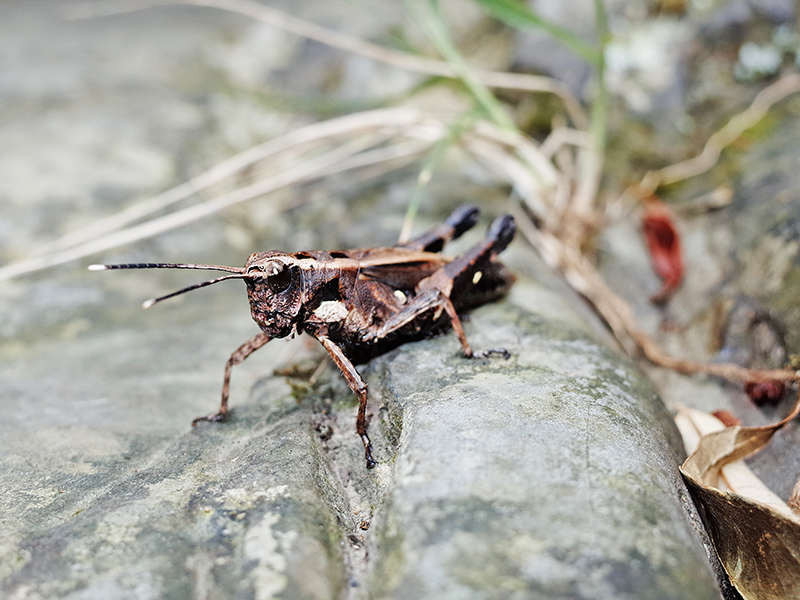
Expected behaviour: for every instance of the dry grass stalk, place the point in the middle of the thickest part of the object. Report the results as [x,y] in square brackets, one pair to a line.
[729,133]
[348,143]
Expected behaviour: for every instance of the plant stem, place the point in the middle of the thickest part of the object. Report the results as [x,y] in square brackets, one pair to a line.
[429,18]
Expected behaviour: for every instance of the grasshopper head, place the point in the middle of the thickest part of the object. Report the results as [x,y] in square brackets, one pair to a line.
[275,290]
[274,287]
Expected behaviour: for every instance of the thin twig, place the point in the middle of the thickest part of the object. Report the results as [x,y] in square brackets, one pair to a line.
[429,19]
[733,129]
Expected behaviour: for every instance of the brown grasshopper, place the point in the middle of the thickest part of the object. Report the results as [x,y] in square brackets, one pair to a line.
[361,303]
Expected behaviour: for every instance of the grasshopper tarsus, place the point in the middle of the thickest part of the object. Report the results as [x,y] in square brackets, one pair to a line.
[214,418]
[361,303]
[489,352]
[371,462]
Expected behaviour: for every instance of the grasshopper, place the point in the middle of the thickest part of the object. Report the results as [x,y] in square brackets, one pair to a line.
[361,303]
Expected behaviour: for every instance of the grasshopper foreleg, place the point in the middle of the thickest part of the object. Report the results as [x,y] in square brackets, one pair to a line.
[238,356]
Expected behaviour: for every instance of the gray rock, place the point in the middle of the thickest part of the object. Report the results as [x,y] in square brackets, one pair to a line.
[552,474]
[549,476]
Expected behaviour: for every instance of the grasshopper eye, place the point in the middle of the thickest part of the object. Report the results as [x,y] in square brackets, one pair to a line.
[279,280]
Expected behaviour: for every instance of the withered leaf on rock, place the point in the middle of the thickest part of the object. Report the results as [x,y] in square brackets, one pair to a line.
[756,534]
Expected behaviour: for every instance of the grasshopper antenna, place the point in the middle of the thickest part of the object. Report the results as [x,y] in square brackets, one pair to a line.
[238,273]
[165,266]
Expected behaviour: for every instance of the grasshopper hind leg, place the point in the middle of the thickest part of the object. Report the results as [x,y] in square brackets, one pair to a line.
[456,281]
[476,261]
[447,289]
[459,221]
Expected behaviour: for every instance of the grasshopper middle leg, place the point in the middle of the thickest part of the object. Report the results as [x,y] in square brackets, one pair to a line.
[359,387]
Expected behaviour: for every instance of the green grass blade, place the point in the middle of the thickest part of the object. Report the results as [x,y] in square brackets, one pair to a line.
[430,20]
[433,161]
[599,110]
[516,14]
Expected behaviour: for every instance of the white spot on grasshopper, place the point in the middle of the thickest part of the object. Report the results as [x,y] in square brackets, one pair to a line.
[331,311]
[477,277]
[401,297]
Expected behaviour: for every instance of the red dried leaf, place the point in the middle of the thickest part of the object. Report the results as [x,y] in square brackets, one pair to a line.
[664,246]
[764,392]
[727,418]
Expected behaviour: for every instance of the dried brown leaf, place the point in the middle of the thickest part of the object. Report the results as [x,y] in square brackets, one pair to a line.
[758,547]
[756,535]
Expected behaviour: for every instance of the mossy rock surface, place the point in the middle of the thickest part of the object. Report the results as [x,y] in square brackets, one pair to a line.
[550,474]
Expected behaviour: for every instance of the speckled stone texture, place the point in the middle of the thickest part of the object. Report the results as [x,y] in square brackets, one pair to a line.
[549,475]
